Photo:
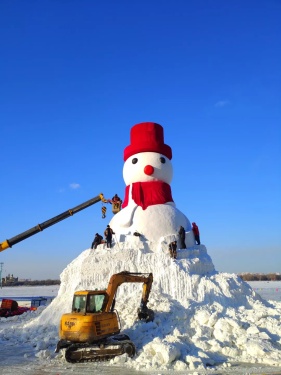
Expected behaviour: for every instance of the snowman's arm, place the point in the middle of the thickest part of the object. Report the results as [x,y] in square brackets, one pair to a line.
[126,214]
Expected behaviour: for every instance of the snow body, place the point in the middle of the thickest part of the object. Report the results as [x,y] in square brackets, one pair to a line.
[203,319]
[157,220]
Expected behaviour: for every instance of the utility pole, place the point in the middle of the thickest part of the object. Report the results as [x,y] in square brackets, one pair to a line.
[1,268]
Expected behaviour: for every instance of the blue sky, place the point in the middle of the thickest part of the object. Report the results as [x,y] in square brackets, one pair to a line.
[77,75]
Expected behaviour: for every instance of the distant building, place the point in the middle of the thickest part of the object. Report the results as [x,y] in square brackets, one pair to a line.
[9,279]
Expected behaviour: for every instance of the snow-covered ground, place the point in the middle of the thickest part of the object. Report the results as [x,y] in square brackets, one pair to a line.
[31,291]
[269,290]
[205,321]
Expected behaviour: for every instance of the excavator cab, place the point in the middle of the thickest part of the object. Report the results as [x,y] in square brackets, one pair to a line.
[91,303]
[95,303]
[79,304]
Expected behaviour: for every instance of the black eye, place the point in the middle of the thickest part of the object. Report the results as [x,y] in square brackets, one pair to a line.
[163,160]
[135,160]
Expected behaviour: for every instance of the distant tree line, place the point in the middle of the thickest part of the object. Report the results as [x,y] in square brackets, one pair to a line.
[31,283]
[260,276]
[244,276]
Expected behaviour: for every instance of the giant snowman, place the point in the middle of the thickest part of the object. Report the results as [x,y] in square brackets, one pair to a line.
[148,207]
[204,320]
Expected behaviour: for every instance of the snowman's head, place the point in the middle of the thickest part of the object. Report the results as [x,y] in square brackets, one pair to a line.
[147,166]
[147,158]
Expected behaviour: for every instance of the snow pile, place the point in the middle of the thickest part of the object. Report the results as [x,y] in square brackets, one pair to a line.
[202,318]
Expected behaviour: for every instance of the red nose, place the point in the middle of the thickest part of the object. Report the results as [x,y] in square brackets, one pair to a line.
[148,169]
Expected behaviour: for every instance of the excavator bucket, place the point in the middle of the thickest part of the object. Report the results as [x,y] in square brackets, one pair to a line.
[146,315]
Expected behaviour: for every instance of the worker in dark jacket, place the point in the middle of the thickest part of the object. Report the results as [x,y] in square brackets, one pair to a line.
[173,249]
[116,199]
[97,241]
[108,236]
[196,233]
[182,244]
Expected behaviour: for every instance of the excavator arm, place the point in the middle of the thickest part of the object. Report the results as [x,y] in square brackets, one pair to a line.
[130,277]
[40,227]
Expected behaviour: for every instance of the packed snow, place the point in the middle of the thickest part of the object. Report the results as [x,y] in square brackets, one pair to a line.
[203,319]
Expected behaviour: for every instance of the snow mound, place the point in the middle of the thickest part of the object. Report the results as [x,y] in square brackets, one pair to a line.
[202,318]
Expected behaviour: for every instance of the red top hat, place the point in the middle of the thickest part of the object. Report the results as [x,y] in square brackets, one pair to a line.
[147,137]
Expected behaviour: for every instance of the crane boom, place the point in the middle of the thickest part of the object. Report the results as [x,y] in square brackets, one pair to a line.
[40,227]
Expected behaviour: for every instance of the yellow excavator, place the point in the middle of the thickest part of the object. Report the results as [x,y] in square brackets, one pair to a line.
[91,332]
[38,228]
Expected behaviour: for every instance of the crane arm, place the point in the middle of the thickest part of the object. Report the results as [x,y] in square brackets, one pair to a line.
[128,277]
[40,227]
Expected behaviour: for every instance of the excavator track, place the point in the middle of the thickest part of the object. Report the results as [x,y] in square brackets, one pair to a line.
[99,353]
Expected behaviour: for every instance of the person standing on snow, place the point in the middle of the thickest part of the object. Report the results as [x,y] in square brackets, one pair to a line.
[108,236]
[196,233]
[182,244]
